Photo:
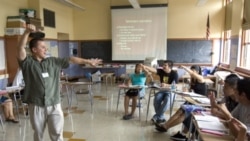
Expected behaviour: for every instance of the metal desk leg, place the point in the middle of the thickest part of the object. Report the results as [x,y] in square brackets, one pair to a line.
[16,104]
[90,97]
[119,94]
[149,97]
[68,99]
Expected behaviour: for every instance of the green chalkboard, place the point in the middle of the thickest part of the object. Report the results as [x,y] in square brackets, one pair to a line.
[190,51]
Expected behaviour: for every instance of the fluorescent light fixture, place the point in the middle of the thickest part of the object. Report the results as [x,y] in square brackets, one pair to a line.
[135,4]
[201,2]
[71,4]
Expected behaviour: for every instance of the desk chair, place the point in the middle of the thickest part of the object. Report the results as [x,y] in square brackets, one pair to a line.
[152,93]
[122,91]
[71,88]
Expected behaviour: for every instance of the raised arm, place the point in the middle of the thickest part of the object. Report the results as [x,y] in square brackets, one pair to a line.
[150,69]
[194,75]
[21,52]
[92,62]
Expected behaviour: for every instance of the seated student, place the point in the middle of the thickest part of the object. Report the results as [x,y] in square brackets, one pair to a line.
[138,78]
[198,85]
[229,98]
[229,92]
[7,105]
[162,98]
[242,111]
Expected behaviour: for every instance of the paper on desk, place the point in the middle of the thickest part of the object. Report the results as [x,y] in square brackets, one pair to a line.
[206,118]
[213,125]
[191,94]
[203,100]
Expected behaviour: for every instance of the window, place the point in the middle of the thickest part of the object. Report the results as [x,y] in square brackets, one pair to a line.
[49,18]
[226,47]
[245,50]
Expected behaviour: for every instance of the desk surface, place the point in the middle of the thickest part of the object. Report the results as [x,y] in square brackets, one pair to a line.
[191,100]
[211,137]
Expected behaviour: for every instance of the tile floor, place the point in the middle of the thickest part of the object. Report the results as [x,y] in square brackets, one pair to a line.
[101,125]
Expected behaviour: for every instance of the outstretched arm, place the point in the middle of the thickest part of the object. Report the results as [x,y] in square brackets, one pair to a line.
[21,53]
[194,75]
[150,69]
[92,62]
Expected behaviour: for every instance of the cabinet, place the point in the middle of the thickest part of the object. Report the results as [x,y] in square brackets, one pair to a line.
[11,44]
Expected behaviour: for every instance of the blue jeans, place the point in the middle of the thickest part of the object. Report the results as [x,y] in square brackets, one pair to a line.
[161,104]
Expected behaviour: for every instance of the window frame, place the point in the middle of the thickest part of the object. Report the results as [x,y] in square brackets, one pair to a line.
[224,51]
[241,55]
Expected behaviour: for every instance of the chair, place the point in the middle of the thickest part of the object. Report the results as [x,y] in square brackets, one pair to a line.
[122,91]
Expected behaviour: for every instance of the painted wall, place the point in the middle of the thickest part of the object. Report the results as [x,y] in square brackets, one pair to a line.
[236,32]
[9,8]
[185,19]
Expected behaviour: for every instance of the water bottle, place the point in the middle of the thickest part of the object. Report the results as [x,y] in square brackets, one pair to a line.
[173,86]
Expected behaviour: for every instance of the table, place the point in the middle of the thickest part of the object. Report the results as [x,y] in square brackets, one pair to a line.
[124,88]
[207,136]
[70,92]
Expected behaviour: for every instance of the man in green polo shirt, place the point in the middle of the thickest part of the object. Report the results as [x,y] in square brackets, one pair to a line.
[41,76]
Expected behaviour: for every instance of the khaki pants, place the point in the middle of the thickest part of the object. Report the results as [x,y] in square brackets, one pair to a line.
[52,116]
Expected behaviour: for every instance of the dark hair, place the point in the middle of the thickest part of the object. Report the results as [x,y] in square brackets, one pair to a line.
[243,85]
[136,65]
[170,63]
[33,43]
[232,79]
[197,68]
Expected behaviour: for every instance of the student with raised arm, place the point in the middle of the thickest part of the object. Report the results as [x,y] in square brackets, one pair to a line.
[198,86]
[41,76]
[241,112]
[162,98]
[137,78]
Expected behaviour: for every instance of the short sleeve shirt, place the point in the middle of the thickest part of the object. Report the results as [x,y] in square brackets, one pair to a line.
[42,80]
[167,78]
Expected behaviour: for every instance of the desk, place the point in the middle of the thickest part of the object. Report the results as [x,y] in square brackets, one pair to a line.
[208,136]
[70,92]
[124,88]
[13,91]
[152,92]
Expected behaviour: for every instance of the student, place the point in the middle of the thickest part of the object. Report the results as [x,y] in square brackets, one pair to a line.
[229,88]
[198,86]
[162,98]
[229,92]
[242,111]
[137,78]
[41,76]
[7,105]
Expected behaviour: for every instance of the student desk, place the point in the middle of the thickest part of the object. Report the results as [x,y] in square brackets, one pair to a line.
[203,136]
[13,91]
[70,86]
[124,88]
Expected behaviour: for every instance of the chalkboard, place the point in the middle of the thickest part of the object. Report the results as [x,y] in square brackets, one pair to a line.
[94,49]
[190,51]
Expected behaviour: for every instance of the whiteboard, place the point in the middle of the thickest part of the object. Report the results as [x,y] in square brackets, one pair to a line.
[2,55]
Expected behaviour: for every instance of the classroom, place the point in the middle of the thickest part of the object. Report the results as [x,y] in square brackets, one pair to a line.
[211,34]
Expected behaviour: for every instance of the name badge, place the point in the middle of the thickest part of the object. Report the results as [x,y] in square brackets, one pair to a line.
[45,74]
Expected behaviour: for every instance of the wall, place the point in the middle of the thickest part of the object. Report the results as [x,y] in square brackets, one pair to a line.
[235,32]
[9,8]
[97,15]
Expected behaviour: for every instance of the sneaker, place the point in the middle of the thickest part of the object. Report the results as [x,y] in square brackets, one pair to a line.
[153,121]
[160,128]
[178,137]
